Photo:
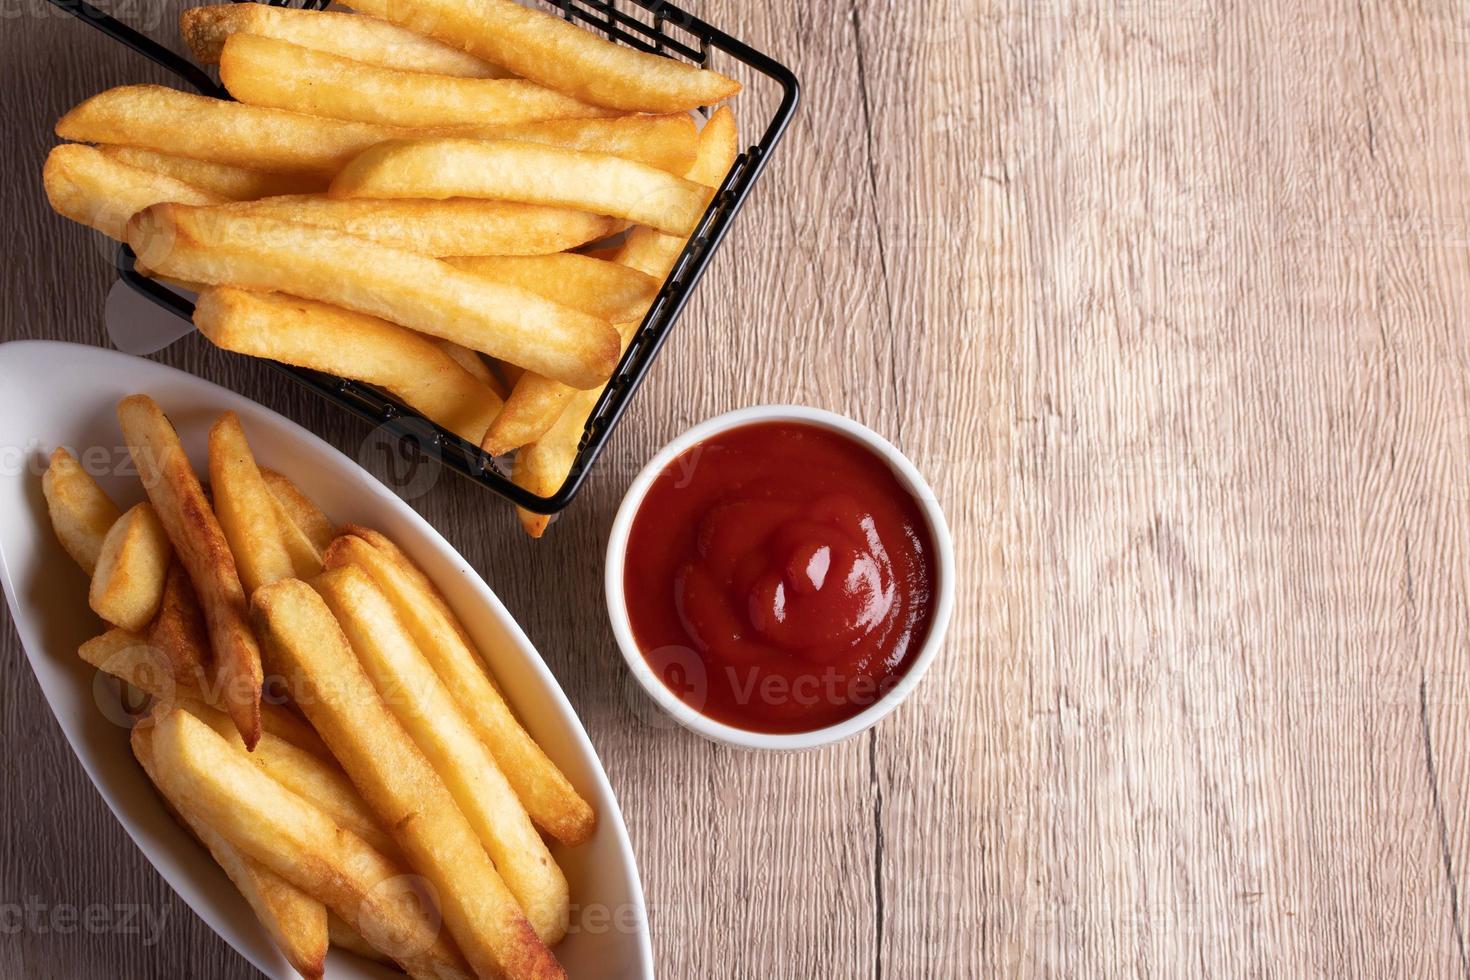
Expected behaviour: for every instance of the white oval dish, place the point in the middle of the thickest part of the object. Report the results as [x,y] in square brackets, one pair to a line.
[54,394]
[908,477]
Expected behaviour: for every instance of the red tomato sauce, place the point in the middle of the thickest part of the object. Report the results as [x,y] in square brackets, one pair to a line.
[779,577]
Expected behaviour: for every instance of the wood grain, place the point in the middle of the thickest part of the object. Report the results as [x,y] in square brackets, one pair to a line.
[1168,299]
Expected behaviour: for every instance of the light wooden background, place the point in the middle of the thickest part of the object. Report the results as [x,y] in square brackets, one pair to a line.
[1169,299]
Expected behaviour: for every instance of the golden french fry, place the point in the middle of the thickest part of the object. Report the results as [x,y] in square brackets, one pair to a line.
[297,923]
[421,293]
[665,142]
[543,790]
[601,288]
[415,575]
[316,779]
[654,252]
[133,659]
[197,539]
[89,187]
[81,513]
[547,49]
[127,587]
[474,364]
[420,701]
[139,661]
[353,345]
[268,72]
[345,937]
[542,466]
[355,36]
[399,783]
[225,182]
[300,510]
[458,227]
[606,290]
[256,137]
[179,633]
[510,170]
[245,507]
[300,843]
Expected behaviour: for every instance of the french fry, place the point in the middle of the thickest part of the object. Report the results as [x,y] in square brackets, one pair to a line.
[297,923]
[245,507]
[543,790]
[420,701]
[461,227]
[314,778]
[225,182]
[255,137]
[81,512]
[542,466]
[138,661]
[127,587]
[601,288]
[345,937]
[101,192]
[474,364]
[197,539]
[268,72]
[542,47]
[653,252]
[178,632]
[361,38]
[131,658]
[300,843]
[354,345]
[665,142]
[399,783]
[300,510]
[606,290]
[423,294]
[510,170]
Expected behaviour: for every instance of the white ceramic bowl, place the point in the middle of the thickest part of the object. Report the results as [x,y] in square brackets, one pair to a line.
[54,394]
[908,477]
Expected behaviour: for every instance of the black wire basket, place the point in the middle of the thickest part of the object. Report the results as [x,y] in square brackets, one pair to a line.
[648,25]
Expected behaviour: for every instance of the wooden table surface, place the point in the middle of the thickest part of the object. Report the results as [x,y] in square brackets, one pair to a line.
[1168,299]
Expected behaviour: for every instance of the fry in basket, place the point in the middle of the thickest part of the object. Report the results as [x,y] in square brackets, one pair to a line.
[458,227]
[127,587]
[222,180]
[297,841]
[509,170]
[547,49]
[96,190]
[474,364]
[81,512]
[256,137]
[297,923]
[245,507]
[665,142]
[352,345]
[547,795]
[542,466]
[355,36]
[420,701]
[268,72]
[399,783]
[197,539]
[596,286]
[217,247]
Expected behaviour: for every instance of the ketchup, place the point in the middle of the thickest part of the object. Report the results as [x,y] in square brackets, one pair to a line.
[779,578]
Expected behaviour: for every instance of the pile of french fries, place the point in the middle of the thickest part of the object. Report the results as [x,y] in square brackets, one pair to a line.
[399,193]
[312,711]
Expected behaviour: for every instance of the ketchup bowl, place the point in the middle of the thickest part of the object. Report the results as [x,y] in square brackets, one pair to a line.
[779,577]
